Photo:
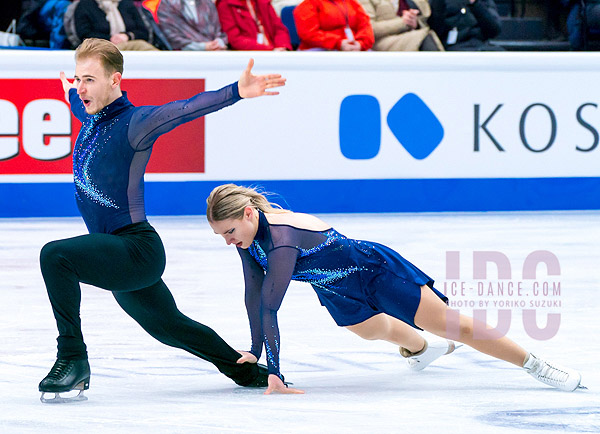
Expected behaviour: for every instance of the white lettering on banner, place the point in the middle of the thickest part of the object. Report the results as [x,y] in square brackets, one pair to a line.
[36,127]
[9,126]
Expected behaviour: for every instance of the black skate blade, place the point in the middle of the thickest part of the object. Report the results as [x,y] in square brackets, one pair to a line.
[58,399]
[581,386]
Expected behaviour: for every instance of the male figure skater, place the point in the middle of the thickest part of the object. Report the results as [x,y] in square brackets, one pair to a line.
[122,252]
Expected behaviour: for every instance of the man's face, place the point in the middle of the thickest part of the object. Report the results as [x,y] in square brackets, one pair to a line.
[95,87]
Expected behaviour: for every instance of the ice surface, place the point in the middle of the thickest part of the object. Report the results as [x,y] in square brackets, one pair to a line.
[352,386]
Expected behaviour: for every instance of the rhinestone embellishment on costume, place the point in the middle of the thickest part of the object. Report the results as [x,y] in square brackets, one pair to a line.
[321,278]
[83,157]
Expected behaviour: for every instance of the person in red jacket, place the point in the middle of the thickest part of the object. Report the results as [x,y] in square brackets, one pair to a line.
[253,25]
[333,25]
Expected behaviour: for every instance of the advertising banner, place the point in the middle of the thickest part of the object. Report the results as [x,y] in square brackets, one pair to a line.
[350,132]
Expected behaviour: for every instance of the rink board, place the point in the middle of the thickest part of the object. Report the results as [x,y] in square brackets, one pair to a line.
[351,132]
[332,196]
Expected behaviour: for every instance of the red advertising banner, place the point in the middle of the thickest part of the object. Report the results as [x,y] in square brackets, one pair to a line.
[37,130]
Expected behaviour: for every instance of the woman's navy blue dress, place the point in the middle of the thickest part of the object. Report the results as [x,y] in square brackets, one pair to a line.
[354,280]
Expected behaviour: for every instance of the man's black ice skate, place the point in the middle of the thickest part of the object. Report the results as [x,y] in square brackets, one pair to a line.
[65,376]
[261,379]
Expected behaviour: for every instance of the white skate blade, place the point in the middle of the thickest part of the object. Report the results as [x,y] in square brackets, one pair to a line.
[63,397]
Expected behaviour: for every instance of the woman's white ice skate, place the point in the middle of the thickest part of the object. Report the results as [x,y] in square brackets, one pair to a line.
[430,352]
[554,375]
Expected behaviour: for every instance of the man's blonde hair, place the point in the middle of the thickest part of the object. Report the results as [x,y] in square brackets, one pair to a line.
[108,53]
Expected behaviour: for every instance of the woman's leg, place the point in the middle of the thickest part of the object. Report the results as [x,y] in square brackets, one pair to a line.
[387,328]
[434,316]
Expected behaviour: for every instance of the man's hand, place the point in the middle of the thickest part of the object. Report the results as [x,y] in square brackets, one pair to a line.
[251,86]
[66,85]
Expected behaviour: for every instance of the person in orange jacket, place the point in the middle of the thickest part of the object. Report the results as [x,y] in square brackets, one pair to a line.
[333,25]
[253,25]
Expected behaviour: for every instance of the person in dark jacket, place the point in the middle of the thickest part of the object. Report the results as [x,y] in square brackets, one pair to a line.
[115,20]
[467,25]
[583,23]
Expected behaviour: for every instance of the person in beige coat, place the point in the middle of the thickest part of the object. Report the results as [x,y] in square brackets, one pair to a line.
[401,25]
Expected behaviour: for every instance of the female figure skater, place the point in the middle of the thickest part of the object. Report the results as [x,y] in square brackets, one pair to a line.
[366,287]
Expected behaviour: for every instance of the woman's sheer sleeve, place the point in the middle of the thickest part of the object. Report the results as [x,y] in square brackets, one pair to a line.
[281,263]
[253,280]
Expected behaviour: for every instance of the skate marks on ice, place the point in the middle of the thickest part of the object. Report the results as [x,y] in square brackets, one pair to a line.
[352,385]
[579,419]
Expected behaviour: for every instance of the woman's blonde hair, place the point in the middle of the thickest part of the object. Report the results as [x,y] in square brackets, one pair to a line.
[228,201]
[108,53]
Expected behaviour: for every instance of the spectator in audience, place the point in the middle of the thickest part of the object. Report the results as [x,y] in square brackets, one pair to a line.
[51,15]
[555,17]
[191,25]
[333,25]
[401,27]
[582,22]
[253,25]
[116,20]
[29,25]
[468,25]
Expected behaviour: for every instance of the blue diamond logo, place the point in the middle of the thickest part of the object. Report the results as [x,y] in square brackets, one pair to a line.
[415,126]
